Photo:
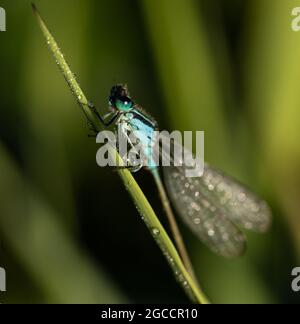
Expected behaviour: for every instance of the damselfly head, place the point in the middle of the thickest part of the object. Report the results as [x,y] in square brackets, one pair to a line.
[119,98]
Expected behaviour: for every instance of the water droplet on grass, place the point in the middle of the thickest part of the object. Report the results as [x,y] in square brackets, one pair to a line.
[155,231]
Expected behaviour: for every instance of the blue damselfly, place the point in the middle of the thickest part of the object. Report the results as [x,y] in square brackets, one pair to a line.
[213,206]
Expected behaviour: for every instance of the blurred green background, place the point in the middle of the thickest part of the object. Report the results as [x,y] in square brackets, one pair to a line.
[69,232]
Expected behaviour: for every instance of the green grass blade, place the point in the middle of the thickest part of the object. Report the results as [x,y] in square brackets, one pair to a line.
[139,199]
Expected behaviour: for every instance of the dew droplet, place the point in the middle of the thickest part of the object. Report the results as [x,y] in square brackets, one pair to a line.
[155,231]
[242,197]
[195,206]
[211,187]
[197,221]
[185,283]
[211,232]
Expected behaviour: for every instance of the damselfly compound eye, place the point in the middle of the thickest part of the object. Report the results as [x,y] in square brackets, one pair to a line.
[124,104]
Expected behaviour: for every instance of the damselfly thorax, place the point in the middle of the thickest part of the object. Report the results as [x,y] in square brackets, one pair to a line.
[137,126]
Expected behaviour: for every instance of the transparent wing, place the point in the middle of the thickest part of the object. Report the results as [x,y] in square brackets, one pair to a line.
[212,206]
[201,215]
[239,204]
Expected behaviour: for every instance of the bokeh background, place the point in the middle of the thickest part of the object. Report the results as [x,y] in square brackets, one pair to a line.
[69,232]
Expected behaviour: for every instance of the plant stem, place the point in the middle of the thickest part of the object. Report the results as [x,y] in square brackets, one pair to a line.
[148,216]
[173,225]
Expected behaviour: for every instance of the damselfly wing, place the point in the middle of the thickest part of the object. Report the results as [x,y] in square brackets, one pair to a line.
[215,206]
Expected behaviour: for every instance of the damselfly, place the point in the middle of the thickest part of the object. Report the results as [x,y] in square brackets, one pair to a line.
[213,206]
